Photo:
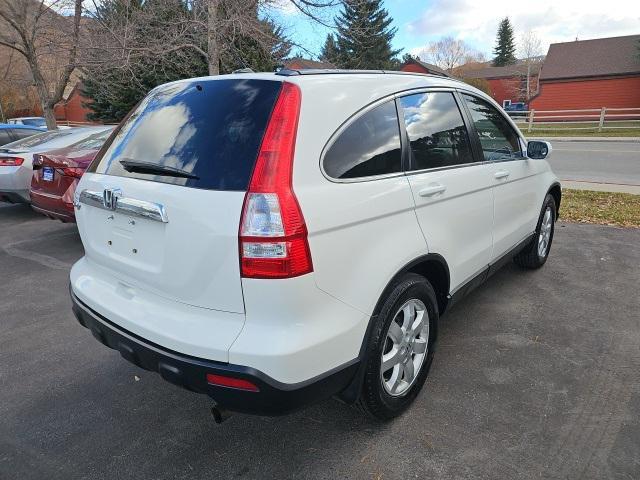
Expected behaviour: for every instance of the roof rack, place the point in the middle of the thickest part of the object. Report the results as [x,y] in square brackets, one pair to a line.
[288,72]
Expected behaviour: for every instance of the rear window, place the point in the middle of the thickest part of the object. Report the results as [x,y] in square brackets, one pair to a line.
[211,129]
[94,141]
[39,139]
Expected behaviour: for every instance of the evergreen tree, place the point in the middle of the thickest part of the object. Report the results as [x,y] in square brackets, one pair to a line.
[364,35]
[505,50]
[329,51]
[114,90]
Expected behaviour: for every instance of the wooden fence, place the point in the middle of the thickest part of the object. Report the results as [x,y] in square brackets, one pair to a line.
[600,119]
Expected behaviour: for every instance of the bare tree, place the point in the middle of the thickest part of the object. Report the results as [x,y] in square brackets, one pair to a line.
[448,53]
[530,50]
[37,31]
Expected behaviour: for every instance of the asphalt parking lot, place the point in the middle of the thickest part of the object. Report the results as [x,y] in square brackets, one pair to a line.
[537,375]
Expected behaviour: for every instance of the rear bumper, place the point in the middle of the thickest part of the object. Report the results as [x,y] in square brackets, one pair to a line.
[273,397]
[54,214]
[15,196]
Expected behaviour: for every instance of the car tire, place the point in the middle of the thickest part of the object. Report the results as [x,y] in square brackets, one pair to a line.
[536,253]
[405,345]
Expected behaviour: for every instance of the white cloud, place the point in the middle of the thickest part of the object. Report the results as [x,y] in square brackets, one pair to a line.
[553,21]
[285,7]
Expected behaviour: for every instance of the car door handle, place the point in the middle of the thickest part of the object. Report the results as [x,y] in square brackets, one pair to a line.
[501,174]
[432,190]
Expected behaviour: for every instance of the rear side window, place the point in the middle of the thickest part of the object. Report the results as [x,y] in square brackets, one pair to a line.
[369,146]
[498,139]
[211,129]
[437,134]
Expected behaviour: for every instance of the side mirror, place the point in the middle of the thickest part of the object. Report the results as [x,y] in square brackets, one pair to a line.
[538,150]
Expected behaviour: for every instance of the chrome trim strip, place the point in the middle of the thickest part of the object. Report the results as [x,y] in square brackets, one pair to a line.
[127,206]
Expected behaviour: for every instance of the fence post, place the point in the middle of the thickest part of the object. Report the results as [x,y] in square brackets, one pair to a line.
[530,126]
[603,112]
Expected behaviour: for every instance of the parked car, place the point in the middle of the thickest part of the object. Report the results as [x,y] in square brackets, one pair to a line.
[11,133]
[275,239]
[516,109]
[31,121]
[16,159]
[56,174]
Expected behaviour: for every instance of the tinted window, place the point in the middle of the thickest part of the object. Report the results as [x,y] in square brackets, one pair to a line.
[20,133]
[369,146]
[4,136]
[210,128]
[498,139]
[436,131]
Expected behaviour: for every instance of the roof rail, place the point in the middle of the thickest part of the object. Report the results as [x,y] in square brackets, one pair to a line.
[288,72]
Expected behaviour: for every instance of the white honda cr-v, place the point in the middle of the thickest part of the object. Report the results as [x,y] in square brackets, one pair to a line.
[274,239]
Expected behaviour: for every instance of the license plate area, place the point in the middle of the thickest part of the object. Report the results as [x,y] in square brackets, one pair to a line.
[47,174]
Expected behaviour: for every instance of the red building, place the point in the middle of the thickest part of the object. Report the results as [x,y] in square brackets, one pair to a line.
[604,72]
[418,66]
[506,84]
[72,108]
[298,63]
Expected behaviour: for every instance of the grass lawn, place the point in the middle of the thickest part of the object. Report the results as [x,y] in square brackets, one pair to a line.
[560,129]
[604,208]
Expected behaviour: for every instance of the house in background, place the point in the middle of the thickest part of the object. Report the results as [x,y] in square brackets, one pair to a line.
[72,109]
[418,66]
[506,84]
[604,72]
[298,63]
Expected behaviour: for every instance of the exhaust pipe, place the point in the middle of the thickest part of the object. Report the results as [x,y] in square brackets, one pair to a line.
[220,414]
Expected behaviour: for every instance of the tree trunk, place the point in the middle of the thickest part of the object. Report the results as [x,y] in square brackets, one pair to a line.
[212,37]
[43,92]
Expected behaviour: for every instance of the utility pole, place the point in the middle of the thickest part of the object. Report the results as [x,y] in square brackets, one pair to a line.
[1,112]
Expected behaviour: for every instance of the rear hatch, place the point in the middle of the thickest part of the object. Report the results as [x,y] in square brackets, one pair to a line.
[161,203]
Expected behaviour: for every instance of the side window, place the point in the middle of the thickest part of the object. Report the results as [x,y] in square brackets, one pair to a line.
[498,139]
[437,134]
[4,137]
[369,146]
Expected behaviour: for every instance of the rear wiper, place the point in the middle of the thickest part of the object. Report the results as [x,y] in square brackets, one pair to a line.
[155,169]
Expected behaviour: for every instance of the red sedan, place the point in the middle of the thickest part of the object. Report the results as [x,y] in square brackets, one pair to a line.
[56,174]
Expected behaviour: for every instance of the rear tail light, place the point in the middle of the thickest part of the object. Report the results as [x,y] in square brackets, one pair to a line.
[232,382]
[73,172]
[11,161]
[273,236]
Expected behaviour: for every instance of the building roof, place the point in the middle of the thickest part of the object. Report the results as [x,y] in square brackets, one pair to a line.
[298,63]
[592,58]
[485,71]
[433,69]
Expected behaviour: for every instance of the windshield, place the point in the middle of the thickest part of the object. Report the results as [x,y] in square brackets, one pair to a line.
[34,122]
[210,129]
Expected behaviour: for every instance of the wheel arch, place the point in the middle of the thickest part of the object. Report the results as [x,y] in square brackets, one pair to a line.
[556,192]
[434,268]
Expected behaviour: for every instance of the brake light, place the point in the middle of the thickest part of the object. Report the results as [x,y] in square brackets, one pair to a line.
[11,161]
[239,383]
[273,236]
[73,172]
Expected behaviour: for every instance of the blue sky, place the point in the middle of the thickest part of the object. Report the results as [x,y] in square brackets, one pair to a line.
[422,21]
